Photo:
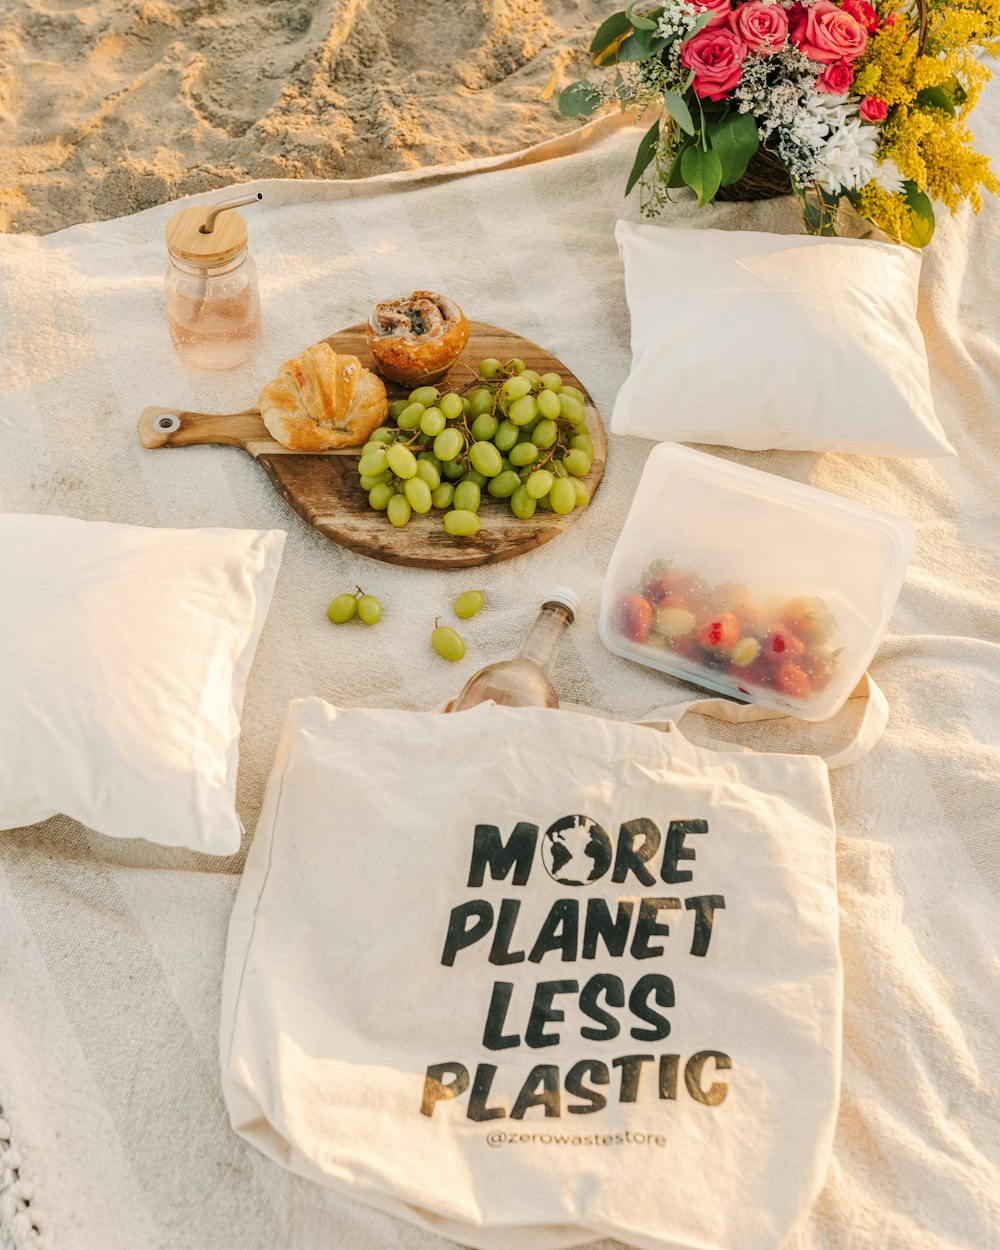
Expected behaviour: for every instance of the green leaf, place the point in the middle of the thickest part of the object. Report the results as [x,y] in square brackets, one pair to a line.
[921,229]
[610,33]
[640,23]
[579,99]
[674,177]
[646,152]
[938,98]
[734,140]
[702,171]
[631,49]
[679,111]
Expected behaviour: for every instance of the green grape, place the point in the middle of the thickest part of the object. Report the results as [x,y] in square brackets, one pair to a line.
[451,406]
[371,445]
[466,405]
[429,474]
[369,609]
[469,603]
[453,470]
[474,475]
[401,461]
[342,609]
[552,381]
[521,504]
[485,458]
[442,496]
[515,388]
[545,503]
[432,422]
[490,367]
[548,404]
[581,492]
[447,642]
[418,494]
[532,377]
[515,366]
[522,454]
[571,408]
[397,406]
[506,436]
[559,468]
[485,426]
[379,496]
[504,484]
[461,523]
[545,432]
[430,457]
[522,410]
[539,483]
[575,393]
[373,462]
[448,444]
[384,434]
[467,497]
[398,510]
[562,497]
[425,395]
[582,442]
[409,418]
[578,463]
[367,481]
[480,402]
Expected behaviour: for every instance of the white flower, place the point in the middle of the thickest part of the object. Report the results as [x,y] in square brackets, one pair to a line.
[847,158]
[888,177]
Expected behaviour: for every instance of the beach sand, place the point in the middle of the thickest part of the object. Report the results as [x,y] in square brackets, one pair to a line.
[112,106]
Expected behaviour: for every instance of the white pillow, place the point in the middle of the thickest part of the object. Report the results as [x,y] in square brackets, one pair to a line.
[759,340]
[124,656]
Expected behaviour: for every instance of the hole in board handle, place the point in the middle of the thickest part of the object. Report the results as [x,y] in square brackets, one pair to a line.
[168,422]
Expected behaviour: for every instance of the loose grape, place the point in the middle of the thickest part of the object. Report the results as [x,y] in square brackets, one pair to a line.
[448,444]
[468,604]
[453,470]
[522,454]
[443,495]
[373,462]
[485,458]
[447,642]
[398,510]
[522,505]
[522,410]
[369,609]
[480,479]
[552,381]
[548,404]
[504,484]
[582,442]
[485,426]
[467,496]
[425,395]
[402,461]
[342,609]
[545,432]
[745,651]
[409,418]
[367,481]
[539,483]
[516,388]
[432,422]
[582,494]
[379,496]
[571,408]
[562,496]
[578,463]
[516,365]
[575,393]
[451,406]
[506,436]
[532,377]
[397,406]
[461,523]
[490,367]
[427,471]
[418,494]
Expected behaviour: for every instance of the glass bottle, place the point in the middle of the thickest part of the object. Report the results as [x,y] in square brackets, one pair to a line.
[524,681]
[213,307]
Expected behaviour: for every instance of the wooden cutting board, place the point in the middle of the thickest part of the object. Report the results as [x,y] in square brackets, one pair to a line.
[323,488]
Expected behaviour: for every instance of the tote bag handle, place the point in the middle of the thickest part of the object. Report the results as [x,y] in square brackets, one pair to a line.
[869,730]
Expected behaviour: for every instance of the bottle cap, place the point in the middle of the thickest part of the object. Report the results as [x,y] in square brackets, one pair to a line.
[200,236]
[566,598]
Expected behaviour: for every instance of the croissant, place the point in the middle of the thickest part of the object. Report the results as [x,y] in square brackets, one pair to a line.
[322,400]
[417,338]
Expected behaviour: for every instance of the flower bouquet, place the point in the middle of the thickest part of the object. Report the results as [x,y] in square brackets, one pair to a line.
[830,99]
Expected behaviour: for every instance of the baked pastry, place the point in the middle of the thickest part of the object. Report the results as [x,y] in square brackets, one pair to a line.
[321,400]
[417,338]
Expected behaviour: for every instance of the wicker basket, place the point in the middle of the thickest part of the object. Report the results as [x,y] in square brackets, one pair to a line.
[764,179]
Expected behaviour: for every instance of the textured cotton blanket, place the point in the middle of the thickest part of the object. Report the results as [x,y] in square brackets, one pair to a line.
[111,951]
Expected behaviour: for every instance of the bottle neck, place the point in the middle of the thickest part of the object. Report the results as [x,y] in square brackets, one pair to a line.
[542,643]
[215,270]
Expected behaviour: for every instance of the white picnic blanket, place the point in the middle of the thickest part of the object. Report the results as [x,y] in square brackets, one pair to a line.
[111,952]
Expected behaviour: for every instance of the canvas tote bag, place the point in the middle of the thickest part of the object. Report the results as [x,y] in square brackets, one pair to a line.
[530,977]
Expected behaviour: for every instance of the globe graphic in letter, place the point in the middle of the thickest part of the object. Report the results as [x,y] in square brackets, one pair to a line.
[576,851]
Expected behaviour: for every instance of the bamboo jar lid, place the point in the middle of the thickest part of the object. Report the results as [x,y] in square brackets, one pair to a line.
[186,241]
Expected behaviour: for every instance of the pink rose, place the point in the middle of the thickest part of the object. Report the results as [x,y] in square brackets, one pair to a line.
[836,79]
[762,27]
[873,110]
[716,54]
[826,33]
[862,12]
[719,9]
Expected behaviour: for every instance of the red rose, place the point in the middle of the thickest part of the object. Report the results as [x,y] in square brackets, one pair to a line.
[873,110]
[716,54]
[863,13]
[762,27]
[825,33]
[719,9]
[836,79]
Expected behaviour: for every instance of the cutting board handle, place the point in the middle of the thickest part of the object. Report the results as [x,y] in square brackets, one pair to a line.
[174,427]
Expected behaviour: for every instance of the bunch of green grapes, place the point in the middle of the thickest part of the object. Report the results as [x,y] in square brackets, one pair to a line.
[514,434]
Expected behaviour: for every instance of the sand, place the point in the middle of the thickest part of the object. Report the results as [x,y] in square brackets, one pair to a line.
[113,106]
